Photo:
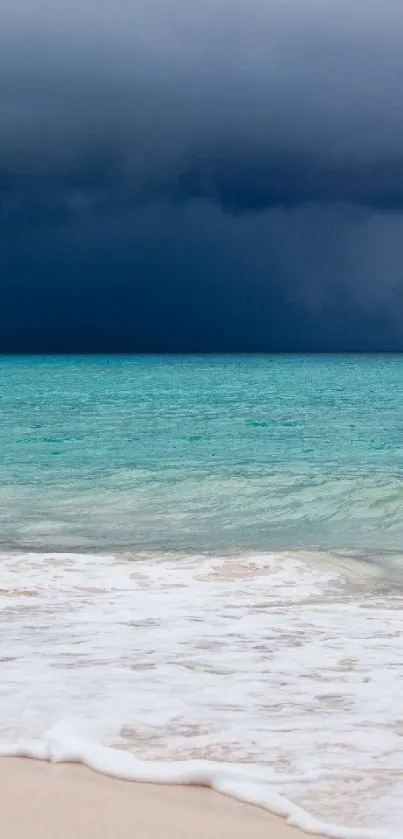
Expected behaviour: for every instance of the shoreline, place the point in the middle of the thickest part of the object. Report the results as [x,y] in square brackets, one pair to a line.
[40,800]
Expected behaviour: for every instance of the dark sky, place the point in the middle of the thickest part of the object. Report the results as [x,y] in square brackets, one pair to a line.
[201,176]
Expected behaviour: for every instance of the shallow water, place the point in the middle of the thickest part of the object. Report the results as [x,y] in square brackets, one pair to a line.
[203,559]
[196,454]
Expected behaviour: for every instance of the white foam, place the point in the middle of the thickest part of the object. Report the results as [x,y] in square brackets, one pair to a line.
[223,778]
[271,661]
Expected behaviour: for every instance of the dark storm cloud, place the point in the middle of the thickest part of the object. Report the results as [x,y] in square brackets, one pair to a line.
[249,106]
[99,182]
[219,176]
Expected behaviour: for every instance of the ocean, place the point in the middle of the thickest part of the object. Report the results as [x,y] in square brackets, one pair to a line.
[201,559]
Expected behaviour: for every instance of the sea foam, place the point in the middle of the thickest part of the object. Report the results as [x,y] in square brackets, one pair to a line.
[275,678]
[234,781]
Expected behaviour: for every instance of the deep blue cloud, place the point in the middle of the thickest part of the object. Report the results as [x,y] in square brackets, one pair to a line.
[213,178]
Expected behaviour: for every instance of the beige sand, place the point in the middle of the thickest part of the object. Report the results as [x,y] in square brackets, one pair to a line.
[41,801]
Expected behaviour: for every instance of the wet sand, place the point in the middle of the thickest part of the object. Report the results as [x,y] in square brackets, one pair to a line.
[43,801]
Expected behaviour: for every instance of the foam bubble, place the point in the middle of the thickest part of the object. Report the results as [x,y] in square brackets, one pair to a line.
[232,781]
[274,663]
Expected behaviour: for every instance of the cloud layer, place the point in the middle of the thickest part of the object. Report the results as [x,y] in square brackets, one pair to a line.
[221,177]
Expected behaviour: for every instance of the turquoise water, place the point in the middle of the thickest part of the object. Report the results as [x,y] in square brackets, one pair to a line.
[179,574]
[201,454]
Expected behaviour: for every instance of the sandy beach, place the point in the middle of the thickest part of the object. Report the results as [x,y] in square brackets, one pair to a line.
[41,801]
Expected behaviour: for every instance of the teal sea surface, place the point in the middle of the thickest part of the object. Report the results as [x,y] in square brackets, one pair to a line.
[201,453]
